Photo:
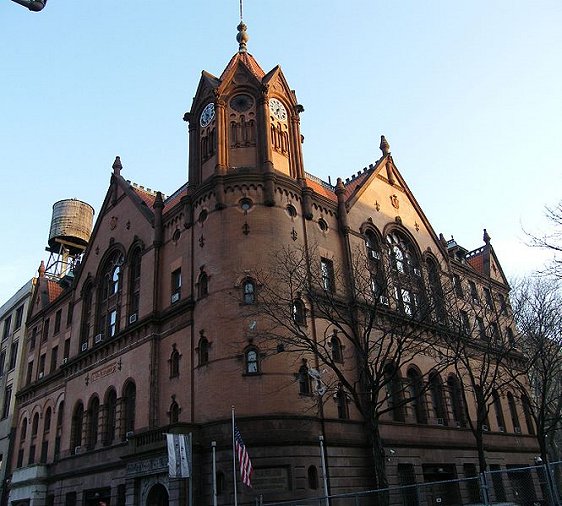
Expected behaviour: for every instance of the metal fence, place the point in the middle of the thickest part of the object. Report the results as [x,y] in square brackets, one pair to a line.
[526,486]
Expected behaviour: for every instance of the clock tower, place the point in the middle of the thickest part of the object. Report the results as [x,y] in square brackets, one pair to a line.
[244,122]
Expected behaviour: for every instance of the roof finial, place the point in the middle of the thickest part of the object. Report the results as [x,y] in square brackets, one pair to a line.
[242,36]
[486,237]
[384,146]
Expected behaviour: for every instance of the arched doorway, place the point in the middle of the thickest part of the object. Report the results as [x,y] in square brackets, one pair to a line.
[158,496]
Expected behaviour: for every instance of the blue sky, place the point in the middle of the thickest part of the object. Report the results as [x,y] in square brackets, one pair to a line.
[469,95]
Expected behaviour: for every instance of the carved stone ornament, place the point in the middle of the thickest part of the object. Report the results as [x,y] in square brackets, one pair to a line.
[294,234]
[113,222]
[394,201]
[202,241]
[417,227]
[377,205]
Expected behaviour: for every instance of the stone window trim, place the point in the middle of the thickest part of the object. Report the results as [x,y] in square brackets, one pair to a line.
[252,361]
[202,349]
[174,362]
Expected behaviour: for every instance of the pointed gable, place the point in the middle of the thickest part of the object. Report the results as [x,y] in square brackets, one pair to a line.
[248,61]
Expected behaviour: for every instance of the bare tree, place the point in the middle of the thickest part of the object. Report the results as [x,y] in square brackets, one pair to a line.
[320,310]
[552,240]
[537,306]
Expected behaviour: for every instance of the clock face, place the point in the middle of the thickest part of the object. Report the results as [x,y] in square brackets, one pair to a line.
[277,109]
[207,115]
[242,103]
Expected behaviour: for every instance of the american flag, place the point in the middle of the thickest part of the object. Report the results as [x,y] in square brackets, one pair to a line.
[246,469]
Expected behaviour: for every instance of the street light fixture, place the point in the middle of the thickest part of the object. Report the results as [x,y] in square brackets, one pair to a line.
[32,5]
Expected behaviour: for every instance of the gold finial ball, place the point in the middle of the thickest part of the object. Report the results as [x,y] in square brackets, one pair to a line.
[242,37]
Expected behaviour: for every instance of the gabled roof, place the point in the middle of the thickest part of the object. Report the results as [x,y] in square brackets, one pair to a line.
[249,62]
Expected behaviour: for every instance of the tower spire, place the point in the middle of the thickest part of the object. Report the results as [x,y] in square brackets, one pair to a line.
[242,36]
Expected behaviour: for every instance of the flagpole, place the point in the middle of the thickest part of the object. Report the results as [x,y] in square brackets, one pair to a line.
[325,475]
[190,479]
[234,461]
[214,447]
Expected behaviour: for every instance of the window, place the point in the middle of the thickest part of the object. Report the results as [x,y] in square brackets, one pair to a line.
[312,477]
[437,398]
[406,274]
[415,392]
[47,423]
[109,296]
[35,425]
[503,305]
[45,334]
[457,402]
[69,314]
[54,358]
[457,283]
[86,314]
[174,412]
[31,459]
[374,263]
[2,362]
[437,297]
[513,412]
[58,317]
[41,368]
[336,348]
[20,458]
[7,324]
[67,348]
[76,428]
[174,363]
[134,284]
[341,402]
[29,373]
[19,317]
[111,418]
[7,401]
[203,285]
[249,291]
[93,421]
[299,312]
[203,351]
[498,409]
[528,415]
[23,434]
[252,361]
[394,395]
[473,292]
[176,285]
[481,327]
[13,355]
[32,339]
[327,273]
[465,323]
[488,298]
[304,380]
[130,407]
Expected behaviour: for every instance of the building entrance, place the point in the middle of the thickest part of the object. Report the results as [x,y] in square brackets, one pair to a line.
[158,496]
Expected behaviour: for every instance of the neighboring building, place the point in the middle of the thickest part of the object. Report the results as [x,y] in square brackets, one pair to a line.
[13,315]
[153,333]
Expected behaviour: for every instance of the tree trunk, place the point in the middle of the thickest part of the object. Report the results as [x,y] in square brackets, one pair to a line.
[379,461]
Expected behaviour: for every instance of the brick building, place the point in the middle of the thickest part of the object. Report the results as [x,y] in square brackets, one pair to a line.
[154,333]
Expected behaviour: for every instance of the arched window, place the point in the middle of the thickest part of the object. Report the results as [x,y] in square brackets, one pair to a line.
[437,398]
[47,423]
[23,430]
[513,412]
[249,291]
[35,425]
[60,415]
[110,416]
[174,412]
[312,477]
[336,347]
[76,429]
[93,421]
[175,362]
[341,401]
[437,297]
[203,285]
[528,416]
[299,312]
[304,380]
[498,409]
[134,285]
[203,351]
[374,263]
[87,294]
[394,392]
[109,296]
[457,403]
[129,404]
[415,391]
[251,359]
[406,274]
